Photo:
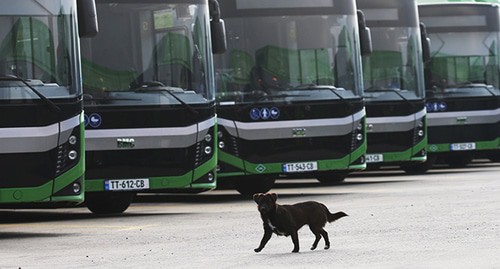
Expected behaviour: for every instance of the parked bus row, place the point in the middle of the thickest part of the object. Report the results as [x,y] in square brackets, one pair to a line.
[170,97]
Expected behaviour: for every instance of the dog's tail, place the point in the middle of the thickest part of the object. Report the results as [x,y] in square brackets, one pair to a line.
[335,216]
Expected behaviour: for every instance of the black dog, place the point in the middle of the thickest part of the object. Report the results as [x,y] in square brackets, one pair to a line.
[288,219]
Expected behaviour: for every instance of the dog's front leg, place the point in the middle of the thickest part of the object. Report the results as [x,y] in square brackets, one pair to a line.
[295,240]
[267,235]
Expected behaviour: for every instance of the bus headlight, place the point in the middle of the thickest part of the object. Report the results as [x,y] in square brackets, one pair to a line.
[360,126]
[358,134]
[221,144]
[205,147]
[419,132]
[208,137]
[72,155]
[77,187]
[210,177]
[72,140]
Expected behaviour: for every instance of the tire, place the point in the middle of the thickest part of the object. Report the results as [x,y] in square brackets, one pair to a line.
[331,178]
[460,160]
[494,157]
[419,168]
[108,203]
[249,185]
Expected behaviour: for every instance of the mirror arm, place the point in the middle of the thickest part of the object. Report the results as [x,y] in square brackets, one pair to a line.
[214,10]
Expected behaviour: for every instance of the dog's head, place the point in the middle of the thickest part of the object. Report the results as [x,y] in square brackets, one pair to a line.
[266,202]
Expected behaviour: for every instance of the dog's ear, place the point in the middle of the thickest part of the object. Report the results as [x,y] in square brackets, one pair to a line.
[274,196]
[257,196]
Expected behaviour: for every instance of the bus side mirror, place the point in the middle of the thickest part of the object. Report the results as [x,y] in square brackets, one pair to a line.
[217,29]
[426,43]
[365,37]
[87,18]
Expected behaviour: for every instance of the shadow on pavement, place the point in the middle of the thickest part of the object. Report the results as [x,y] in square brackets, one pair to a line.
[31,216]
[21,235]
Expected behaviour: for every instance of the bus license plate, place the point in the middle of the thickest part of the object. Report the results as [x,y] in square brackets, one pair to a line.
[300,167]
[374,158]
[126,184]
[463,146]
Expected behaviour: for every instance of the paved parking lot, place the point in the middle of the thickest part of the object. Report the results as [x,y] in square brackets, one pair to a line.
[444,219]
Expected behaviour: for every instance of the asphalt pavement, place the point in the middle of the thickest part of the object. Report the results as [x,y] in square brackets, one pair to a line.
[448,218]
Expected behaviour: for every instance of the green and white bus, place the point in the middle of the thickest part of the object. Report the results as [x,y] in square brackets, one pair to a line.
[41,119]
[394,84]
[289,92]
[149,100]
[463,81]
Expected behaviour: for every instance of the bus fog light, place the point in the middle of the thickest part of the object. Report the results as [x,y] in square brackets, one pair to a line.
[360,126]
[420,133]
[210,177]
[359,137]
[208,137]
[72,155]
[77,188]
[72,140]
[222,144]
[208,150]
[421,123]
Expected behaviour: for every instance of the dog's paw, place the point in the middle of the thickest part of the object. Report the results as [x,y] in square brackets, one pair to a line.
[327,246]
[257,249]
[313,247]
[295,250]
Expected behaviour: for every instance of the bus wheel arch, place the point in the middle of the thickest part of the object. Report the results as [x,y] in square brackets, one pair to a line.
[332,177]
[249,185]
[418,168]
[108,202]
[459,160]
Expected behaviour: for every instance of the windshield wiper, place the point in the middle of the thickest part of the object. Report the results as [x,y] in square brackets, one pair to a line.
[105,99]
[396,91]
[39,94]
[164,89]
[270,96]
[471,85]
[324,88]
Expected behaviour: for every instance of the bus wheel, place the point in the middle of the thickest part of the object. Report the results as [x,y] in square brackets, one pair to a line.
[495,157]
[332,177]
[460,160]
[250,185]
[415,168]
[108,203]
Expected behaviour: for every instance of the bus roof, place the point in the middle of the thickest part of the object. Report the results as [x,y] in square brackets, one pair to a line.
[264,8]
[389,13]
[457,1]
[469,17]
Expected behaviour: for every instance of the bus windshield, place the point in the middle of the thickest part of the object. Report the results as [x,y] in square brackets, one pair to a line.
[152,53]
[394,69]
[292,57]
[464,63]
[36,38]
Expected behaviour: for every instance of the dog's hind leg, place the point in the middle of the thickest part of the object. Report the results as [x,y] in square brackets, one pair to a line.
[295,240]
[317,233]
[327,240]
